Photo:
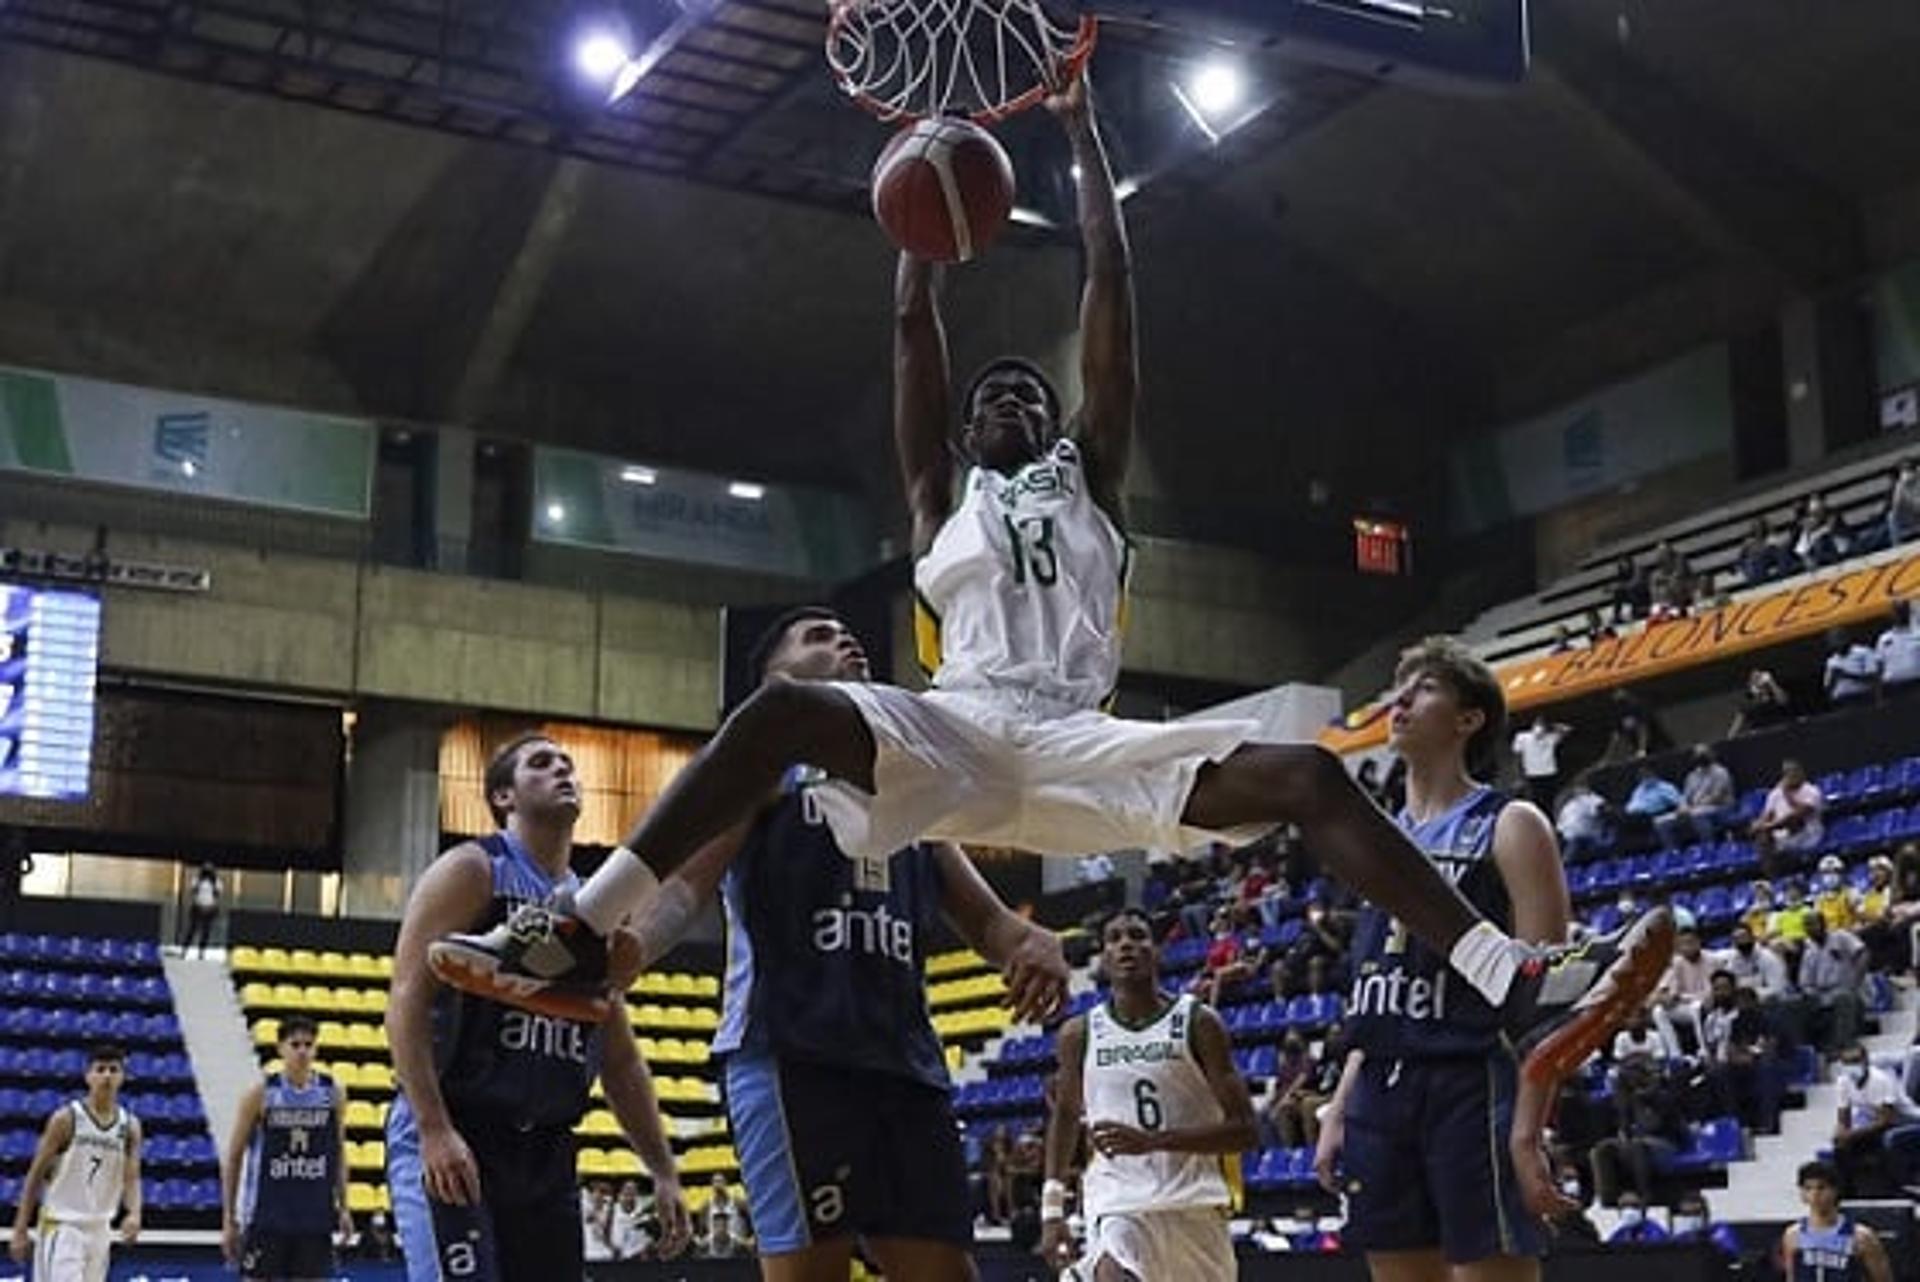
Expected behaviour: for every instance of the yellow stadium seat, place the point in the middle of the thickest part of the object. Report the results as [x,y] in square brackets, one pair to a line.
[651,982]
[266,1032]
[955,1058]
[624,1162]
[289,995]
[385,966]
[649,1048]
[592,1161]
[275,960]
[256,994]
[363,1199]
[362,1115]
[332,963]
[698,1195]
[347,1073]
[244,957]
[304,961]
[318,1000]
[376,1077]
[331,1033]
[704,1018]
[363,965]
[680,985]
[677,1016]
[599,1121]
[706,985]
[650,1015]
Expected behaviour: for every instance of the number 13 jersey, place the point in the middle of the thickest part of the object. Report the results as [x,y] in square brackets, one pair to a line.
[1148,1078]
[1024,587]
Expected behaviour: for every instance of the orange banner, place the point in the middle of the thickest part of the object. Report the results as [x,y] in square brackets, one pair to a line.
[1857,596]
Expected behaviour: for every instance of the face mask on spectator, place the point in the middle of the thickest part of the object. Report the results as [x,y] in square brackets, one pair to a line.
[1687,1223]
[1857,1071]
[1626,904]
[1571,1187]
[1746,947]
[1829,881]
[1631,1215]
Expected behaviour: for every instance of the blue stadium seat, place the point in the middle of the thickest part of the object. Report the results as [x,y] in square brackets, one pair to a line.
[1868,784]
[1580,879]
[13,1102]
[1669,866]
[1265,1061]
[62,1023]
[1833,787]
[1903,779]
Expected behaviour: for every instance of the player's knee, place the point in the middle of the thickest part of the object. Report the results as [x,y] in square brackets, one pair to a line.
[1305,778]
[782,716]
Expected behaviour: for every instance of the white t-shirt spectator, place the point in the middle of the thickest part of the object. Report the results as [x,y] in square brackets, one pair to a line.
[1862,1103]
[593,1228]
[1648,1044]
[629,1237]
[1899,651]
[1833,966]
[1762,970]
[1581,815]
[1709,787]
[1539,752]
[1851,672]
[1780,806]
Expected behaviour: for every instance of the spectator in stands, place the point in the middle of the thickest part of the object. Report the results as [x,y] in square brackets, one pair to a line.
[1652,798]
[1759,557]
[1025,1172]
[1324,939]
[1094,869]
[1682,997]
[1693,1222]
[1228,961]
[1740,1054]
[1628,594]
[1670,584]
[1871,1105]
[1563,638]
[1636,731]
[1760,906]
[1538,747]
[1634,1226]
[1820,542]
[1291,1116]
[627,1231]
[1787,924]
[1572,1225]
[1597,628]
[1638,1042]
[596,1223]
[999,1153]
[1790,822]
[1786,540]
[1650,1128]
[1833,963]
[1852,671]
[1832,898]
[203,909]
[1898,650]
[721,1217]
[377,1242]
[1706,800]
[1757,967]
[1582,822]
[1903,505]
[1764,704]
[1880,927]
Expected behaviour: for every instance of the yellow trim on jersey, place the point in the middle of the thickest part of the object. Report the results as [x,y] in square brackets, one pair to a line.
[1232,1173]
[926,636]
[1123,608]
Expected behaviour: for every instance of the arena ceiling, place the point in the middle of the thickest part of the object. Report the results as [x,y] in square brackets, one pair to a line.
[227,196]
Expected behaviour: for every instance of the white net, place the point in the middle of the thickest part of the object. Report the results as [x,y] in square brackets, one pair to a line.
[987,59]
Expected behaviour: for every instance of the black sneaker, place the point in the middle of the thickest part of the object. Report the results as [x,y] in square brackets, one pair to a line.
[1567,1002]
[540,959]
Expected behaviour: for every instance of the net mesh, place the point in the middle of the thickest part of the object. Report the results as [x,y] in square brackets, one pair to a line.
[987,59]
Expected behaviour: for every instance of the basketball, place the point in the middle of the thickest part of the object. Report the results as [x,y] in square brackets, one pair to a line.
[942,189]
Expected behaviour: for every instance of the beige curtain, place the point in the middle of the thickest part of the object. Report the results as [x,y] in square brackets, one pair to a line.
[621,772]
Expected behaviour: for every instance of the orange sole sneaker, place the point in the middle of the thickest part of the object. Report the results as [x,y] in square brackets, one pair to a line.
[476,972]
[1644,954]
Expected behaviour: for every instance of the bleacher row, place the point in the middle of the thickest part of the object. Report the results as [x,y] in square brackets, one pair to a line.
[61,993]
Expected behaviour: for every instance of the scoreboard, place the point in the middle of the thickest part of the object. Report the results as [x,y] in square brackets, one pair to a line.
[49,657]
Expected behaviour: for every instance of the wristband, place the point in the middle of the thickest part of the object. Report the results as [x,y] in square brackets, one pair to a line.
[1053,1200]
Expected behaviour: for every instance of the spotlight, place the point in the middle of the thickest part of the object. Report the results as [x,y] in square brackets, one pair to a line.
[1217,88]
[634,475]
[747,490]
[557,513]
[599,56]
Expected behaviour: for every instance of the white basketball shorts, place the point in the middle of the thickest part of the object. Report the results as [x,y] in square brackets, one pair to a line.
[1190,1244]
[970,768]
[72,1253]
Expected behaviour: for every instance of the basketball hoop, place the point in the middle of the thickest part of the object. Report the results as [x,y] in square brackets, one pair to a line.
[906,60]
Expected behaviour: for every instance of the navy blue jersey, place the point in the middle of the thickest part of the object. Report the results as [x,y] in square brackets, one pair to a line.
[496,1062]
[1827,1255]
[1407,1003]
[826,955]
[293,1162]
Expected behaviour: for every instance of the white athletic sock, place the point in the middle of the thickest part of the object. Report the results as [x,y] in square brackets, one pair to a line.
[620,887]
[1485,958]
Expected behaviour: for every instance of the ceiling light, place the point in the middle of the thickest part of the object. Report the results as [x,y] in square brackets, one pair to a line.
[600,55]
[639,475]
[557,513]
[1217,88]
[747,490]
[187,467]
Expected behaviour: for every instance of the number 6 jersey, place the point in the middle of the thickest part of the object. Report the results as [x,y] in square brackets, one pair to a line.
[1025,586]
[1147,1078]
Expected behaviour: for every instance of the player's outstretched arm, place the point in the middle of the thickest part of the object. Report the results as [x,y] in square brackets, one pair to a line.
[1027,954]
[1063,1141]
[1872,1253]
[130,1184]
[668,914]
[245,1118]
[53,1142]
[636,1104]
[451,895]
[1109,354]
[922,388]
[1234,1133]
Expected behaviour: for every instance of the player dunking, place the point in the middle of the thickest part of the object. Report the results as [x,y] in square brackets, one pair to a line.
[480,1138]
[283,1186]
[836,1087]
[1022,577]
[1826,1246]
[1437,1143]
[89,1159]
[1153,1077]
